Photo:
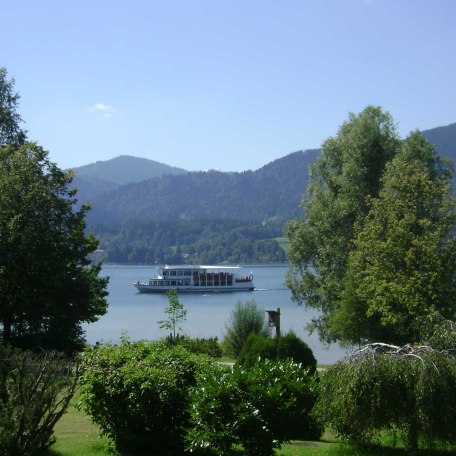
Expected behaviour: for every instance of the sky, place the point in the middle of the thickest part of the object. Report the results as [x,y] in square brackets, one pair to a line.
[222,84]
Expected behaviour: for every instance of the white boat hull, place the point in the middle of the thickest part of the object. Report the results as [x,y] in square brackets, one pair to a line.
[146,288]
[197,279]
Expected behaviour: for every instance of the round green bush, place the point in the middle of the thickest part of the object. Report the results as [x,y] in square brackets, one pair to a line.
[258,407]
[288,346]
[138,394]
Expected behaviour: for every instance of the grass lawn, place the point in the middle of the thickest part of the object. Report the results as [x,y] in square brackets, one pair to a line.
[77,436]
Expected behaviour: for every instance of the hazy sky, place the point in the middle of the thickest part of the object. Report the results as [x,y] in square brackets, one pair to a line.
[222,84]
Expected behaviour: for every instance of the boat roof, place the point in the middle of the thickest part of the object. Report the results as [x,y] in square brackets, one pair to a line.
[196,266]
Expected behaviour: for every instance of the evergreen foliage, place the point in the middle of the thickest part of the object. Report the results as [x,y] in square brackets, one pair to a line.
[246,318]
[288,346]
[272,192]
[191,242]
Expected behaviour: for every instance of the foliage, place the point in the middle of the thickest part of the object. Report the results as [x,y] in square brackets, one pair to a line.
[347,172]
[210,346]
[35,390]
[288,346]
[191,241]
[176,313]
[245,319]
[48,285]
[387,388]
[10,131]
[138,393]
[269,193]
[258,407]
[402,266]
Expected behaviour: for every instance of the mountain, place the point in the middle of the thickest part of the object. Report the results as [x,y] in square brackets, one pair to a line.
[271,192]
[444,139]
[125,169]
[101,177]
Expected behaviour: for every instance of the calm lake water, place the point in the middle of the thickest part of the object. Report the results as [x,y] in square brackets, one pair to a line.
[136,315]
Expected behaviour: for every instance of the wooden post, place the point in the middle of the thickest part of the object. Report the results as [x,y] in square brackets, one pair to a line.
[274,320]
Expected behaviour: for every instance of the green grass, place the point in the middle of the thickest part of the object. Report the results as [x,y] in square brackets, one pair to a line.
[77,436]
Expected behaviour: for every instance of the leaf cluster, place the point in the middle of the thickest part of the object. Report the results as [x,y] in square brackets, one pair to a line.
[49,287]
[191,241]
[246,318]
[288,346]
[404,390]
[138,393]
[259,407]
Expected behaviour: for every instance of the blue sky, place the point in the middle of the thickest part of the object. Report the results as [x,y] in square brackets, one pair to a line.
[222,84]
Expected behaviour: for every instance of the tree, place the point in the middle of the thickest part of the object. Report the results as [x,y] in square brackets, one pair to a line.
[35,391]
[347,172]
[10,132]
[402,267]
[246,319]
[381,388]
[48,287]
[176,313]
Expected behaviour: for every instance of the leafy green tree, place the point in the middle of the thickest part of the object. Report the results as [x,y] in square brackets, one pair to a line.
[48,285]
[10,131]
[403,265]
[176,313]
[245,319]
[347,172]
[383,388]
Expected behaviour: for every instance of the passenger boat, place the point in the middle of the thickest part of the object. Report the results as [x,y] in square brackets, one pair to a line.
[187,278]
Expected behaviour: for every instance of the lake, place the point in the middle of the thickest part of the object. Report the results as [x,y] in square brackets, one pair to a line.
[136,315]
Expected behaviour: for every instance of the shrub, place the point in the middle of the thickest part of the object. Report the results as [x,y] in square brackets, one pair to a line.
[246,318]
[412,391]
[35,390]
[288,346]
[257,407]
[208,347]
[138,394]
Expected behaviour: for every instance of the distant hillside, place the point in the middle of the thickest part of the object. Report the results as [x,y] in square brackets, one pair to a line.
[125,169]
[90,188]
[444,139]
[272,192]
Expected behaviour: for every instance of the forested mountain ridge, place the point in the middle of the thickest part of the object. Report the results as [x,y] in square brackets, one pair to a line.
[444,138]
[101,177]
[271,192]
